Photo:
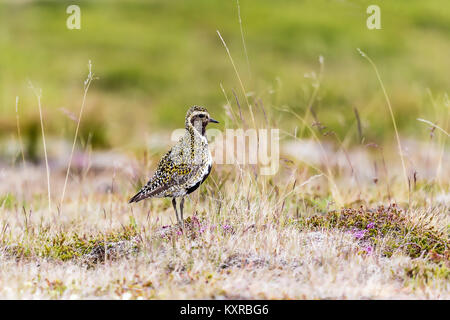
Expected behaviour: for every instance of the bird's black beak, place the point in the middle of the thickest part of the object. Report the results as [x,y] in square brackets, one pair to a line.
[213,121]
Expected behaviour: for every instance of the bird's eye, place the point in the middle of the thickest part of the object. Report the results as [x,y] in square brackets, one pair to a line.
[201,115]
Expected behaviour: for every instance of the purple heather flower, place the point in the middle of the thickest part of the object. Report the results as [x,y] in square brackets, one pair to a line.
[359,234]
[371,225]
[226,227]
[179,233]
[369,249]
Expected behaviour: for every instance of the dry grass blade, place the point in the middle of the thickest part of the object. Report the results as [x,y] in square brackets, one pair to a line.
[392,117]
[242,36]
[335,190]
[239,78]
[434,126]
[38,94]
[316,86]
[87,83]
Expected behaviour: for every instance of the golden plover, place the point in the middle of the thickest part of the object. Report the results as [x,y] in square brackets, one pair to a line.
[184,167]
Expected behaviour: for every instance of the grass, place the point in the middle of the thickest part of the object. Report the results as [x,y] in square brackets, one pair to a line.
[38,94]
[87,84]
[279,237]
[390,228]
[388,101]
[335,222]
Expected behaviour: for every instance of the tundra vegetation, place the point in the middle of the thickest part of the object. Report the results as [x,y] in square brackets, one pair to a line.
[358,209]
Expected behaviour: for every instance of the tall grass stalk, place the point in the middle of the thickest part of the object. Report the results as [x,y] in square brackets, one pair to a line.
[334,188]
[228,106]
[239,78]
[316,86]
[87,83]
[392,117]
[440,140]
[38,94]
[242,37]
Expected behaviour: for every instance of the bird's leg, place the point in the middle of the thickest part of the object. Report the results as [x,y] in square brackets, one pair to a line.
[181,211]
[174,203]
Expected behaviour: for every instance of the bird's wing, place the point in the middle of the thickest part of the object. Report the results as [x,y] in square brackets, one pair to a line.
[167,175]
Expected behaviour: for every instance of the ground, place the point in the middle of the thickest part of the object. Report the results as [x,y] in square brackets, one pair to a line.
[359,207]
[277,238]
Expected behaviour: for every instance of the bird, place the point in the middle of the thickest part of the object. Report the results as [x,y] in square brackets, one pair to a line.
[185,166]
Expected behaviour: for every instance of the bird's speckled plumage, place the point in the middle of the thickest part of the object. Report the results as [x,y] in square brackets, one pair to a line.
[184,167]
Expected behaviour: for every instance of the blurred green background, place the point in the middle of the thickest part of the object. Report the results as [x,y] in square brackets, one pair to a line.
[155,58]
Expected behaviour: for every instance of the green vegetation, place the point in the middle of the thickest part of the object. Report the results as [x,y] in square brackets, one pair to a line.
[389,228]
[156,58]
[64,247]
[342,218]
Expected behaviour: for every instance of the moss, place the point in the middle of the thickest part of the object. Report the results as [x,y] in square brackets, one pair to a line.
[56,288]
[428,272]
[389,228]
[64,247]
[420,273]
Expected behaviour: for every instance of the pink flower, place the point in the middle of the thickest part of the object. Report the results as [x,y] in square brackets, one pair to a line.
[371,225]
[359,234]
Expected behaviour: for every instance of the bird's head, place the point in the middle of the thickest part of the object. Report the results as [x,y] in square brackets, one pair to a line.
[198,118]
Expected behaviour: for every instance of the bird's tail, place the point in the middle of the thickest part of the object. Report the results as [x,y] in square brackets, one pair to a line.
[138,197]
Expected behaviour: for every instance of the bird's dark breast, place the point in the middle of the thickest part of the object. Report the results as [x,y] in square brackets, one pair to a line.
[195,187]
